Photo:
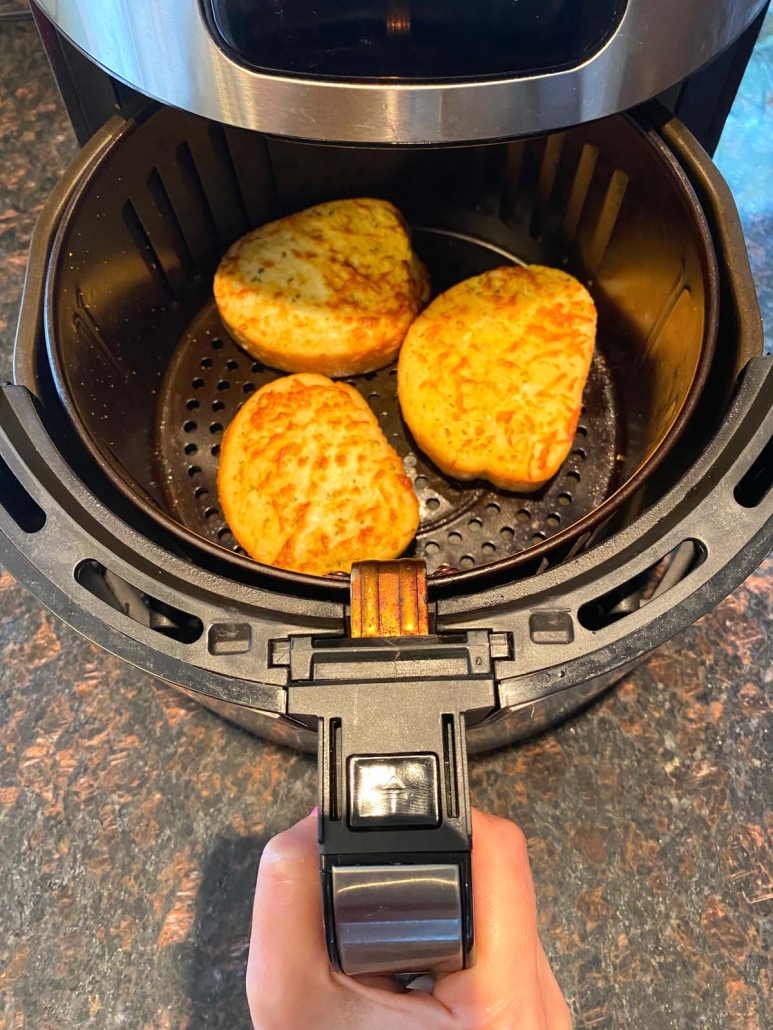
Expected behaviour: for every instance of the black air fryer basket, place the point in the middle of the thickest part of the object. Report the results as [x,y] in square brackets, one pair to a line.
[150,378]
[125,380]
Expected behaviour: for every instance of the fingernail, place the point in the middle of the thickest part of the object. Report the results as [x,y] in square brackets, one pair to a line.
[314,811]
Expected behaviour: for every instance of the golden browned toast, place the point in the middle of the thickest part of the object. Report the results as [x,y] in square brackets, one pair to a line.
[332,289]
[307,480]
[491,375]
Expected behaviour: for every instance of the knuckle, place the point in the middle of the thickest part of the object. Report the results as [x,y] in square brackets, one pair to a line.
[276,849]
[276,1003]
[263,1020]
[280,857]
[516,840]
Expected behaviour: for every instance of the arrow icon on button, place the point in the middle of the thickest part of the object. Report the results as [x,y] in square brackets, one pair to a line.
[393,784]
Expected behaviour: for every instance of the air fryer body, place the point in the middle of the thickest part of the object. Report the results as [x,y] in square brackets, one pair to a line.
[550,630]
[504,652]
[557,631]
[402,71]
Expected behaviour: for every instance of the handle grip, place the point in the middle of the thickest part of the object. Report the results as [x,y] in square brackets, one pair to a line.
[394,811]
[398,918]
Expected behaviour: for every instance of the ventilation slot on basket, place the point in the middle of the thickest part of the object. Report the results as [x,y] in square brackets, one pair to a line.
[547,179]
[191,174]
[145,248]
[255,174]
[753,488]
[225,158]
[139,607]
[25,512]
[653,583]
[84,325]
[160,195]
[610,210]
[513,166]
[583,177]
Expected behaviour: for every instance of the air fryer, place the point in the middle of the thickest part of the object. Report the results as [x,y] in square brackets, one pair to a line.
[509,612]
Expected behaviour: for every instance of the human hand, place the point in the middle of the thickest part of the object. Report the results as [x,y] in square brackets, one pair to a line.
[290,985]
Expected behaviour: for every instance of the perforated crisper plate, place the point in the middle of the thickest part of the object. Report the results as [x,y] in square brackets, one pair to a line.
[462,524]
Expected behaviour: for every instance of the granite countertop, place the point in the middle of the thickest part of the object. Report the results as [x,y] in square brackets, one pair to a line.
[132,820]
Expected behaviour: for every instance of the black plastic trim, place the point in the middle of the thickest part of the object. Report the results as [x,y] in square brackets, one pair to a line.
[79,527]
[718,203]
[702,508]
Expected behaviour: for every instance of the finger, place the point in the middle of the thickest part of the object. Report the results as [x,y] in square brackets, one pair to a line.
[557,1012]
[504,982]
[375,980]
[289,982]
[288,940]
[370,1006]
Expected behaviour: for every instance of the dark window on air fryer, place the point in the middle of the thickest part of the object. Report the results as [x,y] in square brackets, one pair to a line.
[414,40]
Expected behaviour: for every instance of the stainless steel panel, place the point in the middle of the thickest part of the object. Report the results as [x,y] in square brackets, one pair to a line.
[404,918]
[163,49]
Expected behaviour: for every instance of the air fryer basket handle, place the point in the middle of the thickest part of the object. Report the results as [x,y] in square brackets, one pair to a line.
[394,810]
[395,836]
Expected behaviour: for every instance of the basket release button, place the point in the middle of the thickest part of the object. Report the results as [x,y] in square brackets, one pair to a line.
[391,791]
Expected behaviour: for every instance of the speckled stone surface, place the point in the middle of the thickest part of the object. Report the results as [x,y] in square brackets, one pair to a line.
[36,143]
[131,820]
[16,8]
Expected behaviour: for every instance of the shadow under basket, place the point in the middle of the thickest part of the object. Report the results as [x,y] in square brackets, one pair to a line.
[151,379]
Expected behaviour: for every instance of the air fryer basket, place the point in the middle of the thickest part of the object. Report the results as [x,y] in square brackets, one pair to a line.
[150,378]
